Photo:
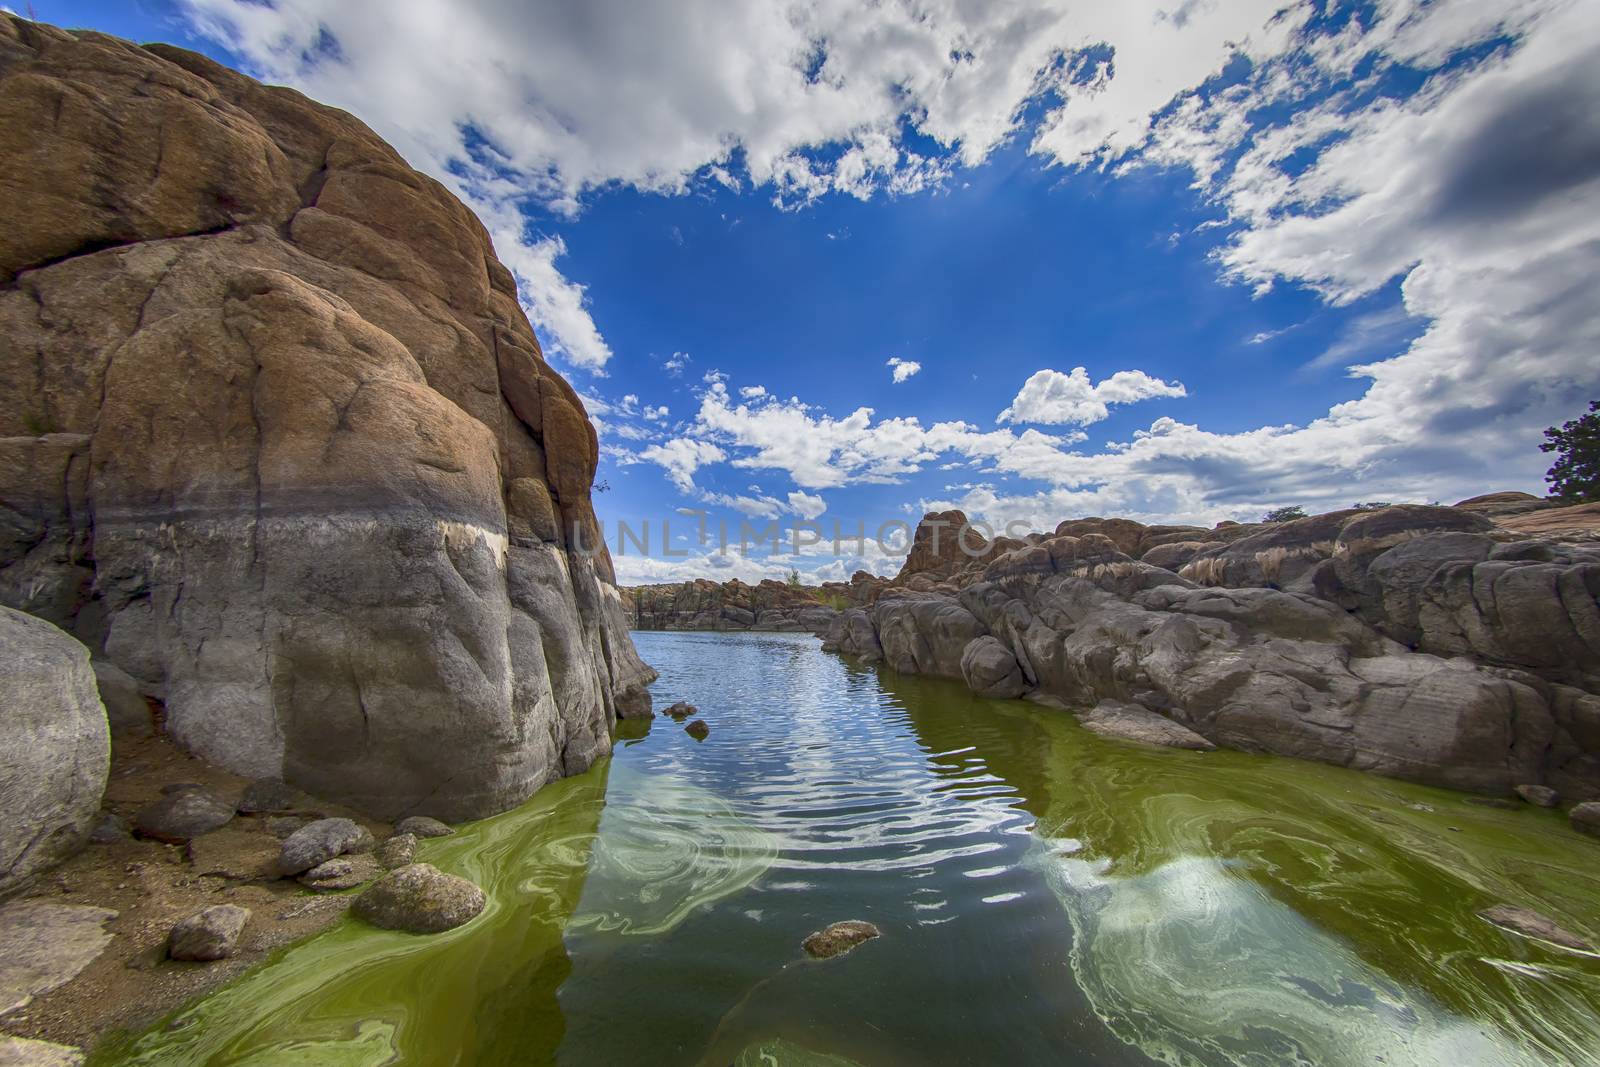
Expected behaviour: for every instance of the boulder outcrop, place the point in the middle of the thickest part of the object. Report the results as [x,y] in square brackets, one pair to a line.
[735,605]
[1425,643]
[277,440]
[54,747]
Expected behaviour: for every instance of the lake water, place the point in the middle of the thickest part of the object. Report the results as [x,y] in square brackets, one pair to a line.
[1045,897]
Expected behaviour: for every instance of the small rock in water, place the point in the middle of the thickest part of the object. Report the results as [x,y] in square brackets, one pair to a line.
[266,795]
[317,843]
[1532,924]
[110,830]
[422,826]
[838,939]
[210,934]
[182,815]
[1541,795]
[399,851]
[420,899]
[698,730]
[1585,818]
[346,872]
[682,710]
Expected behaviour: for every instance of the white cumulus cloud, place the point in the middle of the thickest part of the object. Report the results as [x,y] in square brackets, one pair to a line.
[903,368]
[1052,398]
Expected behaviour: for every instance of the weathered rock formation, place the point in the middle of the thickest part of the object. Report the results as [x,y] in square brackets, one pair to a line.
[54,747]
[1427,643]
[277,440]
[734,605]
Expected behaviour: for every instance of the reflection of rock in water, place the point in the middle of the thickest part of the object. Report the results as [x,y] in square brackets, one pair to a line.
[1194,965]
[360,997]
[666,848]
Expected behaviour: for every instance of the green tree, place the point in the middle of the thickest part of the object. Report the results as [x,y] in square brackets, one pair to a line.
[794,579]
[1286,514]
[1371,505]
[1575,478]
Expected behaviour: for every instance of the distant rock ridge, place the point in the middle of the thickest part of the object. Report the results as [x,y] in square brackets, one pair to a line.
[702,604]
[277,440]
[1456,646]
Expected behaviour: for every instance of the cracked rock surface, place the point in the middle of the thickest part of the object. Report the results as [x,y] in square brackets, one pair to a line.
[278,442]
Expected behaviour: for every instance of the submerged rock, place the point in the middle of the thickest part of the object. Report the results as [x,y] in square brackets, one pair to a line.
[54,745]
[699,730]
[1540,795]
[209,934]
[44,945]
[422,826]
[681,710]
[318,842]
[183,814]
[1130,722]
[399,851]
[420,899]
[838,939]
[1532,924]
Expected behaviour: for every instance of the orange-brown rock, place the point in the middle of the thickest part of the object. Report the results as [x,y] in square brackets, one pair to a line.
[277,439]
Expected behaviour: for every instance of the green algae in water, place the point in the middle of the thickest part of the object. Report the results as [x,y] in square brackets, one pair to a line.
[666,849]
[1045,896]
[1229,908]
[356,996]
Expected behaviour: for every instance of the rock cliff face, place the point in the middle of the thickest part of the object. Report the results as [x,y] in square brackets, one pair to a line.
[733,605]
[1425,643]
[276,436]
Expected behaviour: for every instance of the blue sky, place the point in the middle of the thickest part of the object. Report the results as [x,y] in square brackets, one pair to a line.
[1303,253]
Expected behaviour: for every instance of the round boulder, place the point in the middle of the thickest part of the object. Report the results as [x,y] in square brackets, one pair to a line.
[399,851]
[420,899]
[54,747]
[316,843]
[990,669]
[209,934]
[183,815]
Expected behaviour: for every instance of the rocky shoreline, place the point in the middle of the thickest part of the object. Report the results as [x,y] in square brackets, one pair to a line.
[1444,645]
[113,905]
[734,605]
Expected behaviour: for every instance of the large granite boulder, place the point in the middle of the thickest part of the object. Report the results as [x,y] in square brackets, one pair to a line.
[54,747]
[338,502]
